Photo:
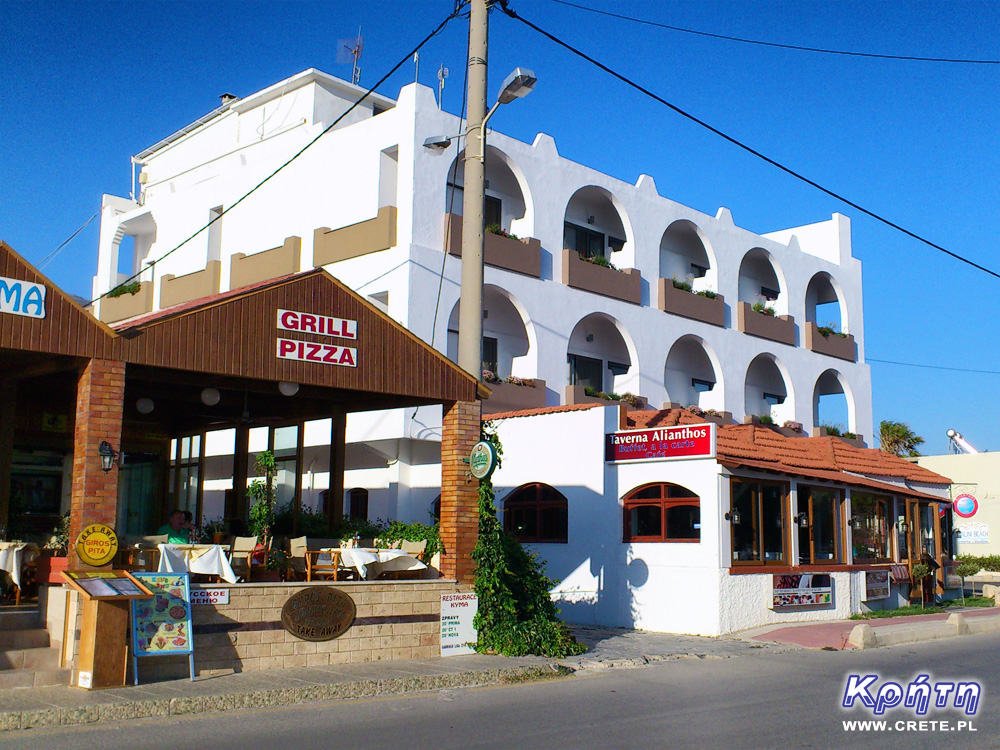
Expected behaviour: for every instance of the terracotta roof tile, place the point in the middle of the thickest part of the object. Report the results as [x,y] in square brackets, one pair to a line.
[536,412]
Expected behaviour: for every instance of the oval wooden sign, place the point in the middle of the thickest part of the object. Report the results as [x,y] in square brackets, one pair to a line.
[318,614]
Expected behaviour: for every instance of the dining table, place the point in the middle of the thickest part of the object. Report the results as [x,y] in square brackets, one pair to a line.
[204,559]
[371,563]
[12,558]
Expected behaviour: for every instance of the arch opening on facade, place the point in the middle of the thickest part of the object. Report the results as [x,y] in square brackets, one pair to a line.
[601,355]
[833,403]
[825,303]
[508,335]
[693,375]
[686,255]
[508,201]
[768,390]
[761,281]
[595,225]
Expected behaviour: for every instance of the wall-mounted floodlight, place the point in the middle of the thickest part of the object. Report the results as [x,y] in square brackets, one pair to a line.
[517,85]
[438,142]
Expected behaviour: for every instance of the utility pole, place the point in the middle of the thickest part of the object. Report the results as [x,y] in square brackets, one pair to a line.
[470,321]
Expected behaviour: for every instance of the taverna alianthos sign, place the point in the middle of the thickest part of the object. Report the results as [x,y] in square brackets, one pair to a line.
[22,298]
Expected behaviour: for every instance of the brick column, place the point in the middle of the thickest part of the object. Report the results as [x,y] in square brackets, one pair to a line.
[99,394]
[459,491]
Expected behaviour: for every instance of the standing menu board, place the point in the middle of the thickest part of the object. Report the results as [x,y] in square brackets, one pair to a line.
[162,626]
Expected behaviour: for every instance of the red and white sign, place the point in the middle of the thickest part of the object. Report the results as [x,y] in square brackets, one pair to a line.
[690,441]
[310,351]
[292,320]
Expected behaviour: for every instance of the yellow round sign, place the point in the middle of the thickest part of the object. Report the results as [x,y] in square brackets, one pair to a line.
[97,545]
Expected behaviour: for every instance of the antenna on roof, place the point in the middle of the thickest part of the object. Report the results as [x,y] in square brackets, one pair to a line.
[442,74]
[349,51]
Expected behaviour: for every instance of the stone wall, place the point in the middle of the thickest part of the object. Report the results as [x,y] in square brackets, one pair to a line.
[395,620]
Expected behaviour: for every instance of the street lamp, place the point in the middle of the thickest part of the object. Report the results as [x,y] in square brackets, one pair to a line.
[515,86]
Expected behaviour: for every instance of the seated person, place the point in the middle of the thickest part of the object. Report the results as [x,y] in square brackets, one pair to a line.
[177,530]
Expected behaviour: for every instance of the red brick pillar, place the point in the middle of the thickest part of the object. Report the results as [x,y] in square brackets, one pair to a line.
[459,491]
[99,394]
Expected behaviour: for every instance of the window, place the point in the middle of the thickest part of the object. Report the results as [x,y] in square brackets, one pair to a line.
[769,294]
[759,537]
[773,399]
[490,354]
[870,527]
[698,271]
[492,213]
[662,513]
[586,371]
[819,540]
[185,473]
[359,504]
[585,241]
[701,386]
[536,513]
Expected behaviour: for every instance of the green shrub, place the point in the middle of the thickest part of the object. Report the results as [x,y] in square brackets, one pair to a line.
[398,531]
[311,523]
[684,286]
[765,419]
[707,293]
[989,563]
[133,287]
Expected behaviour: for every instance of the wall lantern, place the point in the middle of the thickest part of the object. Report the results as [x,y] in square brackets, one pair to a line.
[107,454]
[144,405]
[288,389]
[856,522]
[802,520]
[210,396]
[904,527]
[734,517]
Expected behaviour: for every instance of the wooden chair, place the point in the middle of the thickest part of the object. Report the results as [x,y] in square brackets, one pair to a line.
[415,549]
[297,564]
[326,570]
[241,556]
[145,559]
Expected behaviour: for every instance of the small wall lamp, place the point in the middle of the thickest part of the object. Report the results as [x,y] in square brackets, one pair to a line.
[802,519]
[904,527]
[734,517]
[107,454]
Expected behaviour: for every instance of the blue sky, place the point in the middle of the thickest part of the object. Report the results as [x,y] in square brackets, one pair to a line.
[86,84]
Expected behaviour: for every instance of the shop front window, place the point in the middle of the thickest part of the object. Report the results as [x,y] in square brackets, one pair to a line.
[818,522]
[662,512]
[927,516]
[870,527]
[758,522]
[537,513]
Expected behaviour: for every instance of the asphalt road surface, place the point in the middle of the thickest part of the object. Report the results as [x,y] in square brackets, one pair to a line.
[768,700]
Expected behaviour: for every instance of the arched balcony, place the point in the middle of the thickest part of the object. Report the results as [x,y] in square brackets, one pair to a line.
[693,375]
[834,410]
[768,390]
[602,360]
[598,250]
[507,215]
[689,279]
[509,352]
[763,299]
[827,328]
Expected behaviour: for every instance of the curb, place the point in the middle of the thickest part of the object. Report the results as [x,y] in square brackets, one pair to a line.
[141,709]
[865,636]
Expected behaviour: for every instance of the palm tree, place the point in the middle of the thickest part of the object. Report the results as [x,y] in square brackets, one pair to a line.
[898,439]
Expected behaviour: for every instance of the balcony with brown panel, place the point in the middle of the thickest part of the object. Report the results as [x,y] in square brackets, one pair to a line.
[578,273]
[507,396]
[177,289]
[355,240]
[520,255]
[687,304]
[267,264]
[834,344]
[127,305]
[780,328]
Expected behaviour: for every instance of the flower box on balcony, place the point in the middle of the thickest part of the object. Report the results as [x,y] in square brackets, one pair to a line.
[857,442]
[517,255]
[625,285]
[690,305]
[721,418]
[575,394]
[512,397]
[780,328]
[127,305]
[833,345]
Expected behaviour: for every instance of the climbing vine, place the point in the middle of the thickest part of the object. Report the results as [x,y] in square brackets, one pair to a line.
[516,614]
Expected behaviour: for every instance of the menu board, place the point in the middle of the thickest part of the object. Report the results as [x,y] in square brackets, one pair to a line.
[106,584]
[802,590]
[162,625]
[876,584]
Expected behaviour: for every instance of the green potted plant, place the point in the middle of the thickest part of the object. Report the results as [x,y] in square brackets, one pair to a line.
[965,569]
[54,554]
[262,498]
[920,572]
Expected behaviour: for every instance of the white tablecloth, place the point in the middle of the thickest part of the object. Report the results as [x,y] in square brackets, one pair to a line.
[11,559]
[207,559]
[371,564]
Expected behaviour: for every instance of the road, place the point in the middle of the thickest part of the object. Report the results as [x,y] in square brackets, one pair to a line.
[752,702]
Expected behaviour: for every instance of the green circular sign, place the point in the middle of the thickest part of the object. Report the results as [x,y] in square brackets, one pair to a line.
[482,459]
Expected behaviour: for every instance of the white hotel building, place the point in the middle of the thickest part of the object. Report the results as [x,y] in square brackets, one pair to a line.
[379,209]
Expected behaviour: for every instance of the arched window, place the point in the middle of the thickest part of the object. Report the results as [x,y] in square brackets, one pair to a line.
[536,513]
[359,504]
[662,512]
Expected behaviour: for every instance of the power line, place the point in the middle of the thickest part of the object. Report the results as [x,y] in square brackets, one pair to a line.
[932,367]
[788,170]
[409,56]
[52,256]
[799,48]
